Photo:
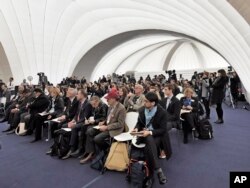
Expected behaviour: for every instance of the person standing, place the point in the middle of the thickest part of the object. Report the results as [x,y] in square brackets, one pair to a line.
[205,93]
[218,94]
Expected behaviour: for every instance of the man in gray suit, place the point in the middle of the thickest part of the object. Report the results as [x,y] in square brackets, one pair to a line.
[112,126]
[133,102]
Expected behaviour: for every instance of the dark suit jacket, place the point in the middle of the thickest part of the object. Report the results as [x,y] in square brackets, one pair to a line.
[28,99]
[71,109]
[59,106]
[85,111]
[39,105]
[173,110]
[159,123]
[100,113]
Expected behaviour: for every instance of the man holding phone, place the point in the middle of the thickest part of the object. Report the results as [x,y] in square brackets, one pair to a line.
[151,124]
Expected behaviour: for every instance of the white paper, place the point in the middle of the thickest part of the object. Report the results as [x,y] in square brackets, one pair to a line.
[43,113]
[67,129]
[55,120]
[96,127]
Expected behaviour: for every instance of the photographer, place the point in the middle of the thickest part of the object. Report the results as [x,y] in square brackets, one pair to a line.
[205,93]
[218,94]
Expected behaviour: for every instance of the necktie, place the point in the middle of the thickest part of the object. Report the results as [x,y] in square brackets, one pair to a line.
[168,101]
[79,113]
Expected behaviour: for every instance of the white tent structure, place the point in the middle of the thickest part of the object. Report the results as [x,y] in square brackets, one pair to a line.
[58,36]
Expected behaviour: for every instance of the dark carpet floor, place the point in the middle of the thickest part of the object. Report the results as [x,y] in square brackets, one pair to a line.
[201,163]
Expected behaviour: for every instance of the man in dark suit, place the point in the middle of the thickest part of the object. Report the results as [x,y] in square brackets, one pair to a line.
[84,112]
[39,105]
[99,114]
[151,123]
[114,125]
[18,110]
[172,106]
[69,113]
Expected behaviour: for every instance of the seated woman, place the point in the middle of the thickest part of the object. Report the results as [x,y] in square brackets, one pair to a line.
[54,110]
[189,112]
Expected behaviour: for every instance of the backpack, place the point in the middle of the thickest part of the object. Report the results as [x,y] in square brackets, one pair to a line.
[61,143]
[98,162]
[205,129]
[138,172]
[118,157]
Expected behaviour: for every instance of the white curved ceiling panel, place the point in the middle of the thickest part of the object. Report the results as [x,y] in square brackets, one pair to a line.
[52,36]
[148,62]
[132,61]
[112,60]
[184,58]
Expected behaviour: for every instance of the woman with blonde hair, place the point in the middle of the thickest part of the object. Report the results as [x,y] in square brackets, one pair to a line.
[190,105]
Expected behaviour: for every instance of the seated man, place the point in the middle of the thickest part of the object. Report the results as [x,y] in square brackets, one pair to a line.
[7,95]
[172,106]
[113,126]
[152,122]
[84,111]
[190,105]
[99,114]
[69,112]
[39,105]
[18,110]
[54,109]
[134,101]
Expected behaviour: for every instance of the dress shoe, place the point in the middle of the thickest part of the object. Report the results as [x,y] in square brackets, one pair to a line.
[149,183]
[68,155]
[87,159]
[7,130]
[27,133]
[76,153]
[219,121]
[3,120]
[35,140]
[11,132]
[83,156]
[49,152]
[162,155]
[162,178]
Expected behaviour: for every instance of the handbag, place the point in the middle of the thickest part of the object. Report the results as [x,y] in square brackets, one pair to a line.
[20,129]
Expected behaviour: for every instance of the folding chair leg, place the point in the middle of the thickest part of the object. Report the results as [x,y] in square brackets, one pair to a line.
[49,131]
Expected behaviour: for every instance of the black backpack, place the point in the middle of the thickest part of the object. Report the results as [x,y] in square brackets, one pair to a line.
[205,129]
[99,161]
[138,172]
[61,143]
